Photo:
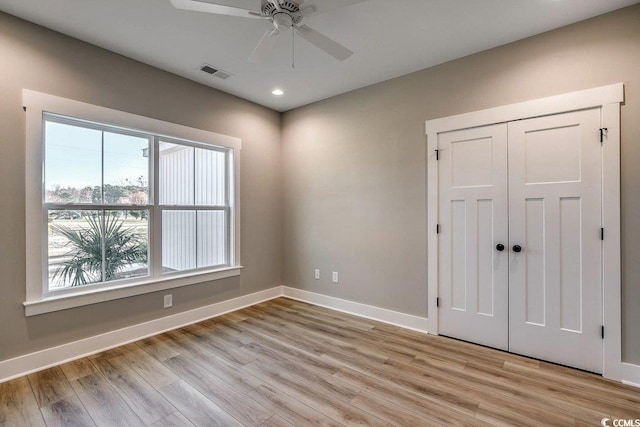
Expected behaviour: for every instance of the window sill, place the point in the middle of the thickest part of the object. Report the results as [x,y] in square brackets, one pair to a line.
[87,296]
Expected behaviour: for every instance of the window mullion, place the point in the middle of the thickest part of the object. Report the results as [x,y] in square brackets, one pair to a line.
[104,246]
[230,223]
[102,166]
[156,215]
[195,181]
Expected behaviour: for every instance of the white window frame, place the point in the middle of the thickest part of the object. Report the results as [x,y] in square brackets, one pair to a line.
[608,99]
[39,299]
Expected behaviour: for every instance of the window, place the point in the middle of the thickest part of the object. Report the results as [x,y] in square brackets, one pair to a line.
[126,204]
[96,203]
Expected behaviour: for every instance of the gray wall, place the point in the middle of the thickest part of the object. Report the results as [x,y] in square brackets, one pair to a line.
[35,58]
[354,165]
[352,197]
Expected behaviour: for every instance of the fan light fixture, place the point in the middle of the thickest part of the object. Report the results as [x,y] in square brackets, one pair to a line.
[277,92]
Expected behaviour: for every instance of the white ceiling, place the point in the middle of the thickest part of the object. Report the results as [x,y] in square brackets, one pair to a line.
[390,38]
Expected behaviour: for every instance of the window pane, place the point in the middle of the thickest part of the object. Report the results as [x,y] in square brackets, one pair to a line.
[211,239]
[126,244]
[176,174]
[178,240]
[90,246]
[126,169]
[73,157]
[75,248]
[210,177]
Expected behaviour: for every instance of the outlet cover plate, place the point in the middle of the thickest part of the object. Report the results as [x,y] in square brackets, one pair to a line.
[168,300]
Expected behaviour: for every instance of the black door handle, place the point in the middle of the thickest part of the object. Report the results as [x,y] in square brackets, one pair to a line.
[500,247]
[517,248]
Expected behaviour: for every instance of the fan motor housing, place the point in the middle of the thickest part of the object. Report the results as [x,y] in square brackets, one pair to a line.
[288,8]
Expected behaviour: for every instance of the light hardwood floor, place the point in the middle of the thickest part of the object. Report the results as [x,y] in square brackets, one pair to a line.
[286,363]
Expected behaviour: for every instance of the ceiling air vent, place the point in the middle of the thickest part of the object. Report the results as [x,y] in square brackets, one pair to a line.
[215,72]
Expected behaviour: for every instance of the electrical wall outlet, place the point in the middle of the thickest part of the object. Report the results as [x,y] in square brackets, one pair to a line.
[168,301]
[316,274]
[334,277]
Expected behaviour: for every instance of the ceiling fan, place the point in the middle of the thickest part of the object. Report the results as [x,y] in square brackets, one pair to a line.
[285,15]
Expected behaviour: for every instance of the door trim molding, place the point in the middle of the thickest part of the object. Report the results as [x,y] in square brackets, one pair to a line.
[608,98]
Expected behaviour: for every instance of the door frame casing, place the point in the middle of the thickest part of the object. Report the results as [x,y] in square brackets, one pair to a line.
[608,99]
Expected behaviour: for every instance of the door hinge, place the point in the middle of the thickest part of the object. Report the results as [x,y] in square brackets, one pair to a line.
[603,133]
[602,331]
[602,234]
[438,302]
[437,154]
[437,228]
[24,107]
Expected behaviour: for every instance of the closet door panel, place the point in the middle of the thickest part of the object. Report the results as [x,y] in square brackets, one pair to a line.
[555,281]
[473,274]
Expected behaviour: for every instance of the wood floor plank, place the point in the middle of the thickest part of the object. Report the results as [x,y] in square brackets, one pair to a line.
[212,359]
[186,338]
[173,420]
[228,352]
[108,354]
[275,330]
[290,408]
[265,352]
[218,329]
[480,388]
[50,386]
[149,368]
[301,374]
[489,389]
[588,383]
[199,410]
[66,412]
[349,345]
[572,394]
[141,397]
[78,369]
[393,414]
[160,347]
[443,410]
[18,406]
[319,398]
[332,335]
[336,317]
[103,403]
[236,316]
[219,392]
[276,421]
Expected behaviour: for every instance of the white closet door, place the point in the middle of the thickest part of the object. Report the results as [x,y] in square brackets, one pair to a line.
[555,302]
[473,274]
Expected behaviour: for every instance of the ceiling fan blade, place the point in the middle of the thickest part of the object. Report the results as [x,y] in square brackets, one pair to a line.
[266,45]
[306,11]
[322,6]
[201,6]
[324,43]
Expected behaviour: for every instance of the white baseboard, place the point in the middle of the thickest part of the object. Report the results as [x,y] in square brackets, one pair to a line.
[407,321]
[631,374]
[39,360]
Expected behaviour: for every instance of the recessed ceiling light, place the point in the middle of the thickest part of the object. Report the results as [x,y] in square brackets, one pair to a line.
[277,92]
